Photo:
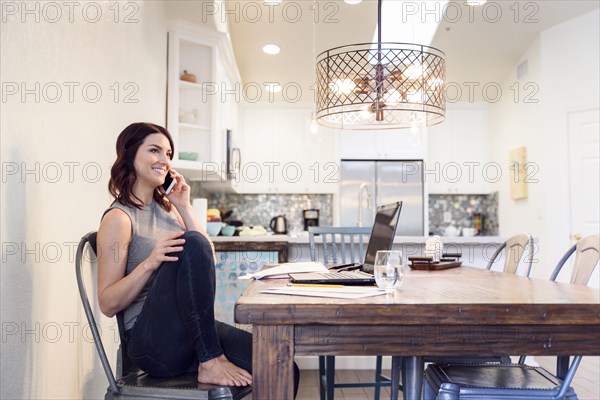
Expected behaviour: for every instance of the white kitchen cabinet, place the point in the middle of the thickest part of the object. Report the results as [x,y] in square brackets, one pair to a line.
[392,144]
[281,155]
[458,159]
[198,114]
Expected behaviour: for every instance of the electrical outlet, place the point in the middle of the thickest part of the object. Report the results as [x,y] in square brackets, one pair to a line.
[447,216]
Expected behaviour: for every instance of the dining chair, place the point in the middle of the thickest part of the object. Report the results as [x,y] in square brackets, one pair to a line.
[587,254]
[130,382]
[514,247]
[496,382]
[464,381]
[341,245]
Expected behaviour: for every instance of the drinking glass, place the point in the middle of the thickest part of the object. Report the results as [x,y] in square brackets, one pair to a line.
[388,269]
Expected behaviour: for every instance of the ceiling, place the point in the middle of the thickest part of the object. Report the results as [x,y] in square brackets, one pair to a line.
[482,44]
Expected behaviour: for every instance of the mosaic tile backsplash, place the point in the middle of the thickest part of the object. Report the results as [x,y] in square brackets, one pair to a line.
[461,208]
[259,209]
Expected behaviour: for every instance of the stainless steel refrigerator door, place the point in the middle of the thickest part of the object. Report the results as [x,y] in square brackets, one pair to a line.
[352,175]
[403,180]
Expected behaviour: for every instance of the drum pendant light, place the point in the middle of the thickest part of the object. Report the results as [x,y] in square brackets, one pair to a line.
[380,85]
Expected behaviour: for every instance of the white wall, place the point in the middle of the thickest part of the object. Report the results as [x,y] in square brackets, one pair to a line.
[515,121]
[45,353]
[570,56]
[563,65]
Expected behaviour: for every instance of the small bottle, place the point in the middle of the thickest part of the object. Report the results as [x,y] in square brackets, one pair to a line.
[477,222]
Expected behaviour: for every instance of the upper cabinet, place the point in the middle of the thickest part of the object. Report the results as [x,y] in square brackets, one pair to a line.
[396,144]
[201,69]
[459,152]
[282,155]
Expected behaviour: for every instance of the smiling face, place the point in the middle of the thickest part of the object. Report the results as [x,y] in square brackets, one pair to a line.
[153,161]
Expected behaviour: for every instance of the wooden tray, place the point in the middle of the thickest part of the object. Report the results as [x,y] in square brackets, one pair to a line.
[435,267]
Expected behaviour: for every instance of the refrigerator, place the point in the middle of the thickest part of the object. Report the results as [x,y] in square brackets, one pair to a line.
[373,183]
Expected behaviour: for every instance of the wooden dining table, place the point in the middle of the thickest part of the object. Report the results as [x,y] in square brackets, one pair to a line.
[462,311]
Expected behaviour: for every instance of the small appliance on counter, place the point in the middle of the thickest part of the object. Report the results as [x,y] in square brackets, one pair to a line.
[279,225]
[311,218]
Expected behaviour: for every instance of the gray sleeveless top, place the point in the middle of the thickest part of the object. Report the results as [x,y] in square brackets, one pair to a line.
[148,225]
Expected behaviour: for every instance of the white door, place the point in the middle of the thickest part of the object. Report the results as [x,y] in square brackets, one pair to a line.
[584,149]
[584,170]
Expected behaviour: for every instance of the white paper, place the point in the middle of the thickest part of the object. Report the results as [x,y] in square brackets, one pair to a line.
[282,270]
[345,292]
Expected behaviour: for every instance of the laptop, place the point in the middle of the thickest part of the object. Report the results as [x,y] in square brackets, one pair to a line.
[382,238]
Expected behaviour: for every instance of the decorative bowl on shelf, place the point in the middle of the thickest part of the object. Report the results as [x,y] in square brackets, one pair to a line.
[188,155]
[227,230]
[213,228]
[186,76]
[188,117]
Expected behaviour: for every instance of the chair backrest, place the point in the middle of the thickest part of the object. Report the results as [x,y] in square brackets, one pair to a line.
[587,254]
[515,247]
[338,244]
[90,239]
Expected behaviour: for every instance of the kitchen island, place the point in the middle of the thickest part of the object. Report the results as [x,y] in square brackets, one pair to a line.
[476,250]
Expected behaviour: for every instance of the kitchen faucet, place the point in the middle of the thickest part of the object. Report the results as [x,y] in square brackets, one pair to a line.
[363,187]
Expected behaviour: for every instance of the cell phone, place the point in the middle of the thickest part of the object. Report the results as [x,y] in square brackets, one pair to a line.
[169,183]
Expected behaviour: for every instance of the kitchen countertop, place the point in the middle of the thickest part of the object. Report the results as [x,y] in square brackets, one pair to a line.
[303,239]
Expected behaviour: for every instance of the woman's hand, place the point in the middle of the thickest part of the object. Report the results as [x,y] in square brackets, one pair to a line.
[180,195]
[171,243]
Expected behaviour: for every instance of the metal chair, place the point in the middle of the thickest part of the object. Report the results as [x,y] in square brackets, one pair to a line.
[515,248]
[130,382]
[496,382]
[587,253]
[341,245]
[464,381]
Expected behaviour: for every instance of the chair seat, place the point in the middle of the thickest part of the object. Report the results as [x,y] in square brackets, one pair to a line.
[491,381]
[140,385]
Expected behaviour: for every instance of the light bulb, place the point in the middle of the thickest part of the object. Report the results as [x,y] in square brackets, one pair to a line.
[342,86]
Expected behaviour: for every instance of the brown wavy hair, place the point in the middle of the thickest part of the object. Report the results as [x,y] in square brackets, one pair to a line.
[122,173]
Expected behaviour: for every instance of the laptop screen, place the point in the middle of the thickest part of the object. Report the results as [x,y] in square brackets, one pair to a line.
[383,232]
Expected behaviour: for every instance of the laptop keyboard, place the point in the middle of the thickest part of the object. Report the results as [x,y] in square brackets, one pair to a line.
[346,275]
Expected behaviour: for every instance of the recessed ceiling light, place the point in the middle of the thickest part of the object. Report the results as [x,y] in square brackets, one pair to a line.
[273,87]
[271,49]
[272,1]
[352,2]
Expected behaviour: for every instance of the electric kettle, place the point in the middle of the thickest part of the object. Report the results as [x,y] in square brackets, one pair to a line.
[279,225]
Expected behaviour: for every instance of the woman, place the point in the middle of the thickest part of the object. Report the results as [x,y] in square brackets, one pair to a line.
[156,264]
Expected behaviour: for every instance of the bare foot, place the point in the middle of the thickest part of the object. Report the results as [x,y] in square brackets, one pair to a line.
[220,371]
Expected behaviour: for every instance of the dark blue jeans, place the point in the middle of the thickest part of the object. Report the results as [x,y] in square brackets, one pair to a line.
[176,328]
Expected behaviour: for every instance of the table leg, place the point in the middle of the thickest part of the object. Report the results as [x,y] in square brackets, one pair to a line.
[396,365]
[272,362]
[412,377]
[562,366]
